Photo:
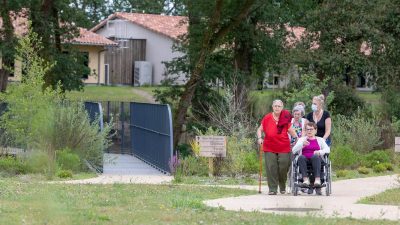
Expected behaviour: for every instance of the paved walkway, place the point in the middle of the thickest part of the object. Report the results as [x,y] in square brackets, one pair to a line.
[342,202]
[149,98]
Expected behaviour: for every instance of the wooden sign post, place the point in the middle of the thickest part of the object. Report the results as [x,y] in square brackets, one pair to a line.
[211,147]
[397,144]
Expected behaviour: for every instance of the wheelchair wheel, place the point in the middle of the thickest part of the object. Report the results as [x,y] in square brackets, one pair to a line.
[328,188]
[330,178]
[294,187]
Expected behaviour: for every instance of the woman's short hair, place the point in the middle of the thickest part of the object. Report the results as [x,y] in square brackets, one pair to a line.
[299,108]
[276,101]
[311,124]
[299,103]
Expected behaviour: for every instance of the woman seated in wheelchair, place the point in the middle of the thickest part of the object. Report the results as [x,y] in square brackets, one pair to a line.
[311,150]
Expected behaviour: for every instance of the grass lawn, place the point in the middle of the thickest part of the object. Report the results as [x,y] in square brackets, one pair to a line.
[370,97]
[352,174]
[107,93]
[23,202]
[388,197]
[253,180]
[217,180]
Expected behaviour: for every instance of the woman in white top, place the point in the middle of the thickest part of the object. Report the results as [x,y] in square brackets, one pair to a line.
[311,150]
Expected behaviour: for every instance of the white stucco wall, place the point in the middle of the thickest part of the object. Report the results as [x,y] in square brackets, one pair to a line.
[158,46]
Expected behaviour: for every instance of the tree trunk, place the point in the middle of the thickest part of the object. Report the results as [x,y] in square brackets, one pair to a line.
[3,79]
[7,46]
[186,98]
[210,41]
[49,10]
[242,65]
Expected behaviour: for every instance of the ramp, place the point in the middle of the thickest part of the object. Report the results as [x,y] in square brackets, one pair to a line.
[122,164]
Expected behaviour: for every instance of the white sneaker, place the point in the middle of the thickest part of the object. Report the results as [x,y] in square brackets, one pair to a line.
[317,183]
[306,182]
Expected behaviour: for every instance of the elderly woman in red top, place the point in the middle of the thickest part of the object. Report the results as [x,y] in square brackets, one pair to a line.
[276,145]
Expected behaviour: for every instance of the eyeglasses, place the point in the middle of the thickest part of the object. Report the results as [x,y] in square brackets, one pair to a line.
[310,129]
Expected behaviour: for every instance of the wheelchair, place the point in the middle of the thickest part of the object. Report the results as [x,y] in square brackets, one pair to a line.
[295,178]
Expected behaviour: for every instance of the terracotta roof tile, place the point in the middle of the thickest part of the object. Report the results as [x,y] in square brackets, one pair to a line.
[90,38]
[20,23]
[170,26]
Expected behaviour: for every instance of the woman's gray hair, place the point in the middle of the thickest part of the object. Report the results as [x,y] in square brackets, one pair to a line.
[300,109]
[276,101]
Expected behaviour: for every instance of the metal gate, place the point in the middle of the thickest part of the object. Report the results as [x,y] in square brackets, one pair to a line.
[140,129]
[151,134]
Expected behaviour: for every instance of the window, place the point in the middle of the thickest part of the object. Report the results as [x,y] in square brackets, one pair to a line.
[85,61]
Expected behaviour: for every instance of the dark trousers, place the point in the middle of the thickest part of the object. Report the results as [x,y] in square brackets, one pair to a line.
[277,165]
[315,161]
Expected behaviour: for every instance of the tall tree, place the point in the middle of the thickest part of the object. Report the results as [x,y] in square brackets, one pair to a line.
[8,10]
[91,12]
[206,28]
[55,22]
[335,38]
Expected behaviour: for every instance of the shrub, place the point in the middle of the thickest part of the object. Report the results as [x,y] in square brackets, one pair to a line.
[343,157]
[374,158]
[363,170]
[38,119]
[230,113]
[64,174]
[191,165]
[346,101]
[251,163]
[84,137]
[259,103]
[67,160]
[388,166]
[360,133]
[305,89]
[184,150]
[342,173]
[39,162]
[237,151]
[391,96]
[12,166]
[173,164]
[379,168]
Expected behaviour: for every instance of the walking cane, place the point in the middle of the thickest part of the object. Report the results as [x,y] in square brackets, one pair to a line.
[260,176]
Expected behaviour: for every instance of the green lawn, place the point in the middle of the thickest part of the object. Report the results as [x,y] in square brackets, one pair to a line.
[107,93]
[388,197]
[353,174]
[370,97]
[32,202]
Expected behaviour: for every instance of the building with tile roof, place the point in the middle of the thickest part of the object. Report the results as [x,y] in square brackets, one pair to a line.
[142,37]
[89,43]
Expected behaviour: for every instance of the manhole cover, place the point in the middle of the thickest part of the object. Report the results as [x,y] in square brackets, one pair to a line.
[292,209]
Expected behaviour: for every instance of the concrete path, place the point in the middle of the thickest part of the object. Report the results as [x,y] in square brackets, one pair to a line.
[342,202]
[126,169]
[149,98]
